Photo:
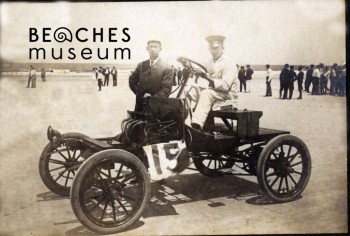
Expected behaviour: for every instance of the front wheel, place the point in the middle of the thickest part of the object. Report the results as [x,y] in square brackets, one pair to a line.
[58,165]
[210,164]
[110,191]
[284,168]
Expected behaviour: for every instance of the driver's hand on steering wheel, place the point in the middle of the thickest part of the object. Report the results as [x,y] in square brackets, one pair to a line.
[200,73]
[146,95]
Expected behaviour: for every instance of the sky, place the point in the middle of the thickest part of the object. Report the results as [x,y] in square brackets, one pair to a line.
[257,32]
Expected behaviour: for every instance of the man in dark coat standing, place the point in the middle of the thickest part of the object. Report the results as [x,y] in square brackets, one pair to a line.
[106,73]
[152,77]
[284,81]
[242,80]
[114,75]
[308,79]
[248,76]
[292,77]
[300,81]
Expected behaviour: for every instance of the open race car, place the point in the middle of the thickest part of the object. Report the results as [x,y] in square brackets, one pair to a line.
[108,179]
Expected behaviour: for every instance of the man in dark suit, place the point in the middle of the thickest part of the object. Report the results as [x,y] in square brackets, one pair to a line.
[114,75]
[106,73]
[308,79]
[152,77]
[242,79]
[300,81]
[292,76]
[248,76]
[284,81]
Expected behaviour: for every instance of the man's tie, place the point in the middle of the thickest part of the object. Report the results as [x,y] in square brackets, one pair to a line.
[151,63]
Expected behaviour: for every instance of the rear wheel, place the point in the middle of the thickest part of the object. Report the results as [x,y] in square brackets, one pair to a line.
[58,165]
[110,191]
[210,164]
[284,168]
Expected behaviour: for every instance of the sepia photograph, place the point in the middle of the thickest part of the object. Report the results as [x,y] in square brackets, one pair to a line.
[173,118]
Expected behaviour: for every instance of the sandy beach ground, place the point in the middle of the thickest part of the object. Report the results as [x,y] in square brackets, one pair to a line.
[189,203]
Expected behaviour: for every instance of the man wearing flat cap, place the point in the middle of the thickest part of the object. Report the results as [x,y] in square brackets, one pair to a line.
[152,77]
[222,78]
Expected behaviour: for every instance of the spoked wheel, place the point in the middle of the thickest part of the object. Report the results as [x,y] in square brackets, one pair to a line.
[284,168]
[210,164]
[110,191]
[58,166]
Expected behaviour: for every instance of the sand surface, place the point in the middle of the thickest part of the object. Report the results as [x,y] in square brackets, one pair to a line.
[189,203]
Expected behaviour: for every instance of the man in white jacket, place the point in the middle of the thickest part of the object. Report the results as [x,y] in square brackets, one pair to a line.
[222,78]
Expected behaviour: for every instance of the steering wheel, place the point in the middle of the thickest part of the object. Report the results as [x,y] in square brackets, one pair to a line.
[189,64]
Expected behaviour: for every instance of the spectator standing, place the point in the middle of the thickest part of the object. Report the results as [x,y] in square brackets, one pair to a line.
[300,79]
[342,82]
[316,75]
[43,74]
[99,78]
[114,73]
[242,79]
[284,75]
[30,77]
[268,81]
[308,79]
[324,80]
[292,77]
[337,79]
[248,76]
[106,73]
[332,78]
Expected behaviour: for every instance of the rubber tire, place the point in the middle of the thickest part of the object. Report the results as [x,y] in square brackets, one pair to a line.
[85,169]
[43,167]
[198,163]
[268,148]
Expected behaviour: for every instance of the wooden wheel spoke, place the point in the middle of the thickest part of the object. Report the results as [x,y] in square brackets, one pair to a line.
[279,187]
[290,149]
[282,148]
[60,167]
[119,171]
[104,210]
[292,157]
[113,208]
[275,155]
[65,184]
[297,172]
[291,177]
[274,181]
[75,150]
[102,173]
[295,164]
[68,151]
[121,204]
[95,195]
[57,161]
[209,163]
[60,175]
[130,176]
[273,173]
[128,197]
[62,154]
[96,205]
[286,180]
